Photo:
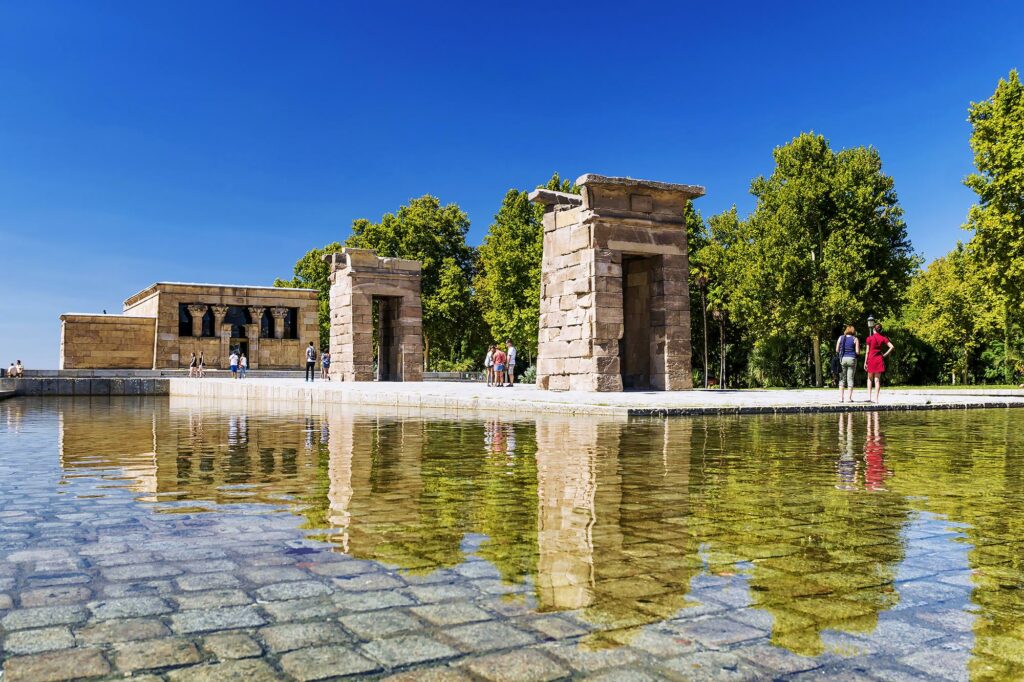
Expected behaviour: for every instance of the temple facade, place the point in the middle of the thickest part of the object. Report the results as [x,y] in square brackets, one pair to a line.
[162,325]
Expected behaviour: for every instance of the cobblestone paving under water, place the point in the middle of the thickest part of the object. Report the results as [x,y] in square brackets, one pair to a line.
[173,540]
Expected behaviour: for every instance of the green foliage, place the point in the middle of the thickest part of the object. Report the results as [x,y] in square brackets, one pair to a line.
[530,375]
[951,308]
[435,235]
[507,284]
[311,272]
[825,245]
[997,220]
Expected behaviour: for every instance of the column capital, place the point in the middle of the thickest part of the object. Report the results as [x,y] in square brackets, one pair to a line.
[279,313]
[257,312]
[197,308]
[220,311]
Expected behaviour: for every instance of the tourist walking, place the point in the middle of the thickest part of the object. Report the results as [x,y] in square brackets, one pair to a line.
[847,350]
[874,361]
[193,365]
[499,366]
[233,364]
[310,362]
[489,365]
[325,365]
[511,362]
[243,366]
[202,364]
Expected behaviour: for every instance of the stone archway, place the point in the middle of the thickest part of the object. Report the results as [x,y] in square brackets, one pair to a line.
[363,283]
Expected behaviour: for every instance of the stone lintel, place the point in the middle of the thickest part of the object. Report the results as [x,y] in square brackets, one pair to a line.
[367,260]
[633,185]
[553,200]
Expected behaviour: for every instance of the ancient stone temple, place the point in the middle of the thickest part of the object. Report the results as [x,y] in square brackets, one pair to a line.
[162,325]
[615,305]
[376,317]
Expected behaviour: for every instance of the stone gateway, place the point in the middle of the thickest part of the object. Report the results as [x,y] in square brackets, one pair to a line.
[615,304]
[375,306]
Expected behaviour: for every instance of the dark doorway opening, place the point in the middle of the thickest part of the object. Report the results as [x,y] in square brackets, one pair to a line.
[240,346]
[385,316]
[635,345]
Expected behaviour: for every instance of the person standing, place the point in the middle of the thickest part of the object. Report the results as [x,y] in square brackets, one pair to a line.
[202,364]
[499,366]
[847,349]
[233,364]
[310,362]
[193,365]
[874,360]
[511,362]
[489,365]
[243,366]
[325,365]
[19,370]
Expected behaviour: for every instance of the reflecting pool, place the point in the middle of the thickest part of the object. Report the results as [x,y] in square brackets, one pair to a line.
[200,541]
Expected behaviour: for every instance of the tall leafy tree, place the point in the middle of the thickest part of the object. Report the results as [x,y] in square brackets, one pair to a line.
[435,235]
[311,272]
[951,307]
[998,219]
[507,284]
[825,245]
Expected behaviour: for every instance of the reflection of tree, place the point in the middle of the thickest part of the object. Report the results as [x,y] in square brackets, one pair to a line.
[821,557]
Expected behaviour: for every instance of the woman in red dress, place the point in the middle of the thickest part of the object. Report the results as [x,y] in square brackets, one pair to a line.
[874,361]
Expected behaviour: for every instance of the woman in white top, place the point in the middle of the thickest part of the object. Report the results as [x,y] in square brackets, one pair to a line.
[489,365]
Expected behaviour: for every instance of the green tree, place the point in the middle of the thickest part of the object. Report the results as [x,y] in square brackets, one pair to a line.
[507,283]
[998,219]
[716,268]
[951,308]
[311,272]
[825,245]
[435,235]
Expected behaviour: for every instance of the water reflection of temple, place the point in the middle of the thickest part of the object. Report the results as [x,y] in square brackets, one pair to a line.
[613,519]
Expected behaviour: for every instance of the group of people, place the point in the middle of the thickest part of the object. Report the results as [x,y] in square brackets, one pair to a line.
[197,365]
[848,350]
[16,370]
[325,364]
[500,364]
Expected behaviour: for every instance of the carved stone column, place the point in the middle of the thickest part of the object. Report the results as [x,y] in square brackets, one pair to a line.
[219,312]
[279,314]
[197,310]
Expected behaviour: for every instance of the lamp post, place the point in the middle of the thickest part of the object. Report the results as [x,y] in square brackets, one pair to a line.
[871,324]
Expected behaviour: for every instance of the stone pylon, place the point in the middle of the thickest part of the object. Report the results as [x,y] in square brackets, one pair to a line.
[375,305]
[615,304]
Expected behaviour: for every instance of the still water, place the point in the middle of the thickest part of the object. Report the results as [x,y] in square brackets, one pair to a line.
[183,539]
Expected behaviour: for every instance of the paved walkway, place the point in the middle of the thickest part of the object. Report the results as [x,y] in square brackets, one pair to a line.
[526,399]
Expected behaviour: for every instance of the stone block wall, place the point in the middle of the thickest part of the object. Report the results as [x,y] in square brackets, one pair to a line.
[614,310]
[106,341]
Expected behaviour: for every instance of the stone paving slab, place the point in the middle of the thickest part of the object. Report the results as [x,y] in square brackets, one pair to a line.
[455,398]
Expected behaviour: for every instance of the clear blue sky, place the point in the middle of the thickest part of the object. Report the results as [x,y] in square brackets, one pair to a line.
[218,141]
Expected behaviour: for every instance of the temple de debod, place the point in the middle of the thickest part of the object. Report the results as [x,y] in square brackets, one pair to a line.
[674,342]
[615,305]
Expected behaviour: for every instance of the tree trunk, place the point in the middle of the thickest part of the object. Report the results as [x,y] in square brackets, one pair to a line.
[704,312]
[426,353]
[721,353]
[1007,355]
[816,341]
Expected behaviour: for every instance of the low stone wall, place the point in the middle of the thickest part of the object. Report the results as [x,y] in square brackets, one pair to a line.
[92,386]
[106,341]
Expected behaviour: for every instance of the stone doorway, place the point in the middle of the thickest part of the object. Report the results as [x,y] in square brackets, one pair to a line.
[386,311]
[241,346]
[635,344]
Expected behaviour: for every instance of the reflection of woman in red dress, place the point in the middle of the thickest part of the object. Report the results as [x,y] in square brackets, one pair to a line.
[874,361]
[875,472]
